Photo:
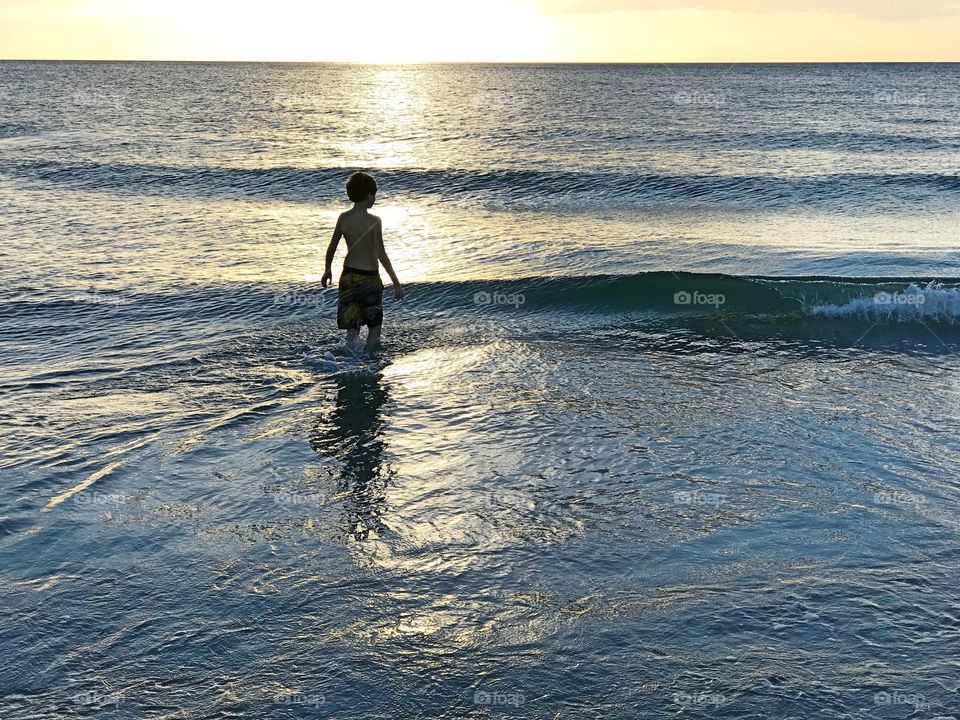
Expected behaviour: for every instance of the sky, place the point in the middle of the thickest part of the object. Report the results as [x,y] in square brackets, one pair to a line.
[483,30]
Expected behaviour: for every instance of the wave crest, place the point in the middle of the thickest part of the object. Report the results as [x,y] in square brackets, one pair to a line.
[933,301]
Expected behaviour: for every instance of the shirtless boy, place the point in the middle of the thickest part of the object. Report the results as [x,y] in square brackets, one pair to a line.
[360,289]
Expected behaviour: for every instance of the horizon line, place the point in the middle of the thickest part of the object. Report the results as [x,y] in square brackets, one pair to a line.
[493,62]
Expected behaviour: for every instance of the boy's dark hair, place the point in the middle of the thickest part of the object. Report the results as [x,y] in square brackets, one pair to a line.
[360,186]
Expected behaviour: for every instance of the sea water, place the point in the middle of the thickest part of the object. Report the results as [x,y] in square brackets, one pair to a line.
[665,427]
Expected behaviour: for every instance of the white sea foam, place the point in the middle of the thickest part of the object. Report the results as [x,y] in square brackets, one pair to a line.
[930,302]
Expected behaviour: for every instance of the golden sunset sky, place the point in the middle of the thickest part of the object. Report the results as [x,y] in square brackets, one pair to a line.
[488,31]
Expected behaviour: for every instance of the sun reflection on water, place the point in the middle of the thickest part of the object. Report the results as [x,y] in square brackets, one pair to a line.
[392,105]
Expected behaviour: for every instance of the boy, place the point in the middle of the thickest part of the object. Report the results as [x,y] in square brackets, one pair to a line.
[360,289]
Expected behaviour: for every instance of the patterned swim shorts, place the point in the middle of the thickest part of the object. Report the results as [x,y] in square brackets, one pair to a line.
[360,299]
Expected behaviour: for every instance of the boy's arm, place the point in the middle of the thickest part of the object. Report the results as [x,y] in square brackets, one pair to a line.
[385,261]
[331,251]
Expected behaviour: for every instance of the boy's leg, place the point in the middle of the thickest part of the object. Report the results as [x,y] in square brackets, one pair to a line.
[352,335]
[373,337]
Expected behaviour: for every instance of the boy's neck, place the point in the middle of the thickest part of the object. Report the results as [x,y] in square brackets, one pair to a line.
[360,207]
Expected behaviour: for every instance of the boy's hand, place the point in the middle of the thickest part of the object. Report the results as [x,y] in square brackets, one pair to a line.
[325,280]
[398,291]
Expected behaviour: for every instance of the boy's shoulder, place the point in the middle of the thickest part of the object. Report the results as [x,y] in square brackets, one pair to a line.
[352,213]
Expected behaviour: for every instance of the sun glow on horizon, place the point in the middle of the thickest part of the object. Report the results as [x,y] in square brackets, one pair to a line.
[374,31]
[390,31]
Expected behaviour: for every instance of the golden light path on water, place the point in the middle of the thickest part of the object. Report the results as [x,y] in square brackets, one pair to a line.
[395,111]
[441,495]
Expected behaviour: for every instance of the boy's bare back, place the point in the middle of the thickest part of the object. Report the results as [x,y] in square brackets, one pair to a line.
[363,234]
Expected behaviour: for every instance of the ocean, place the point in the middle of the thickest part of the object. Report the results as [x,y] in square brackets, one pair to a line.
[666,426]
